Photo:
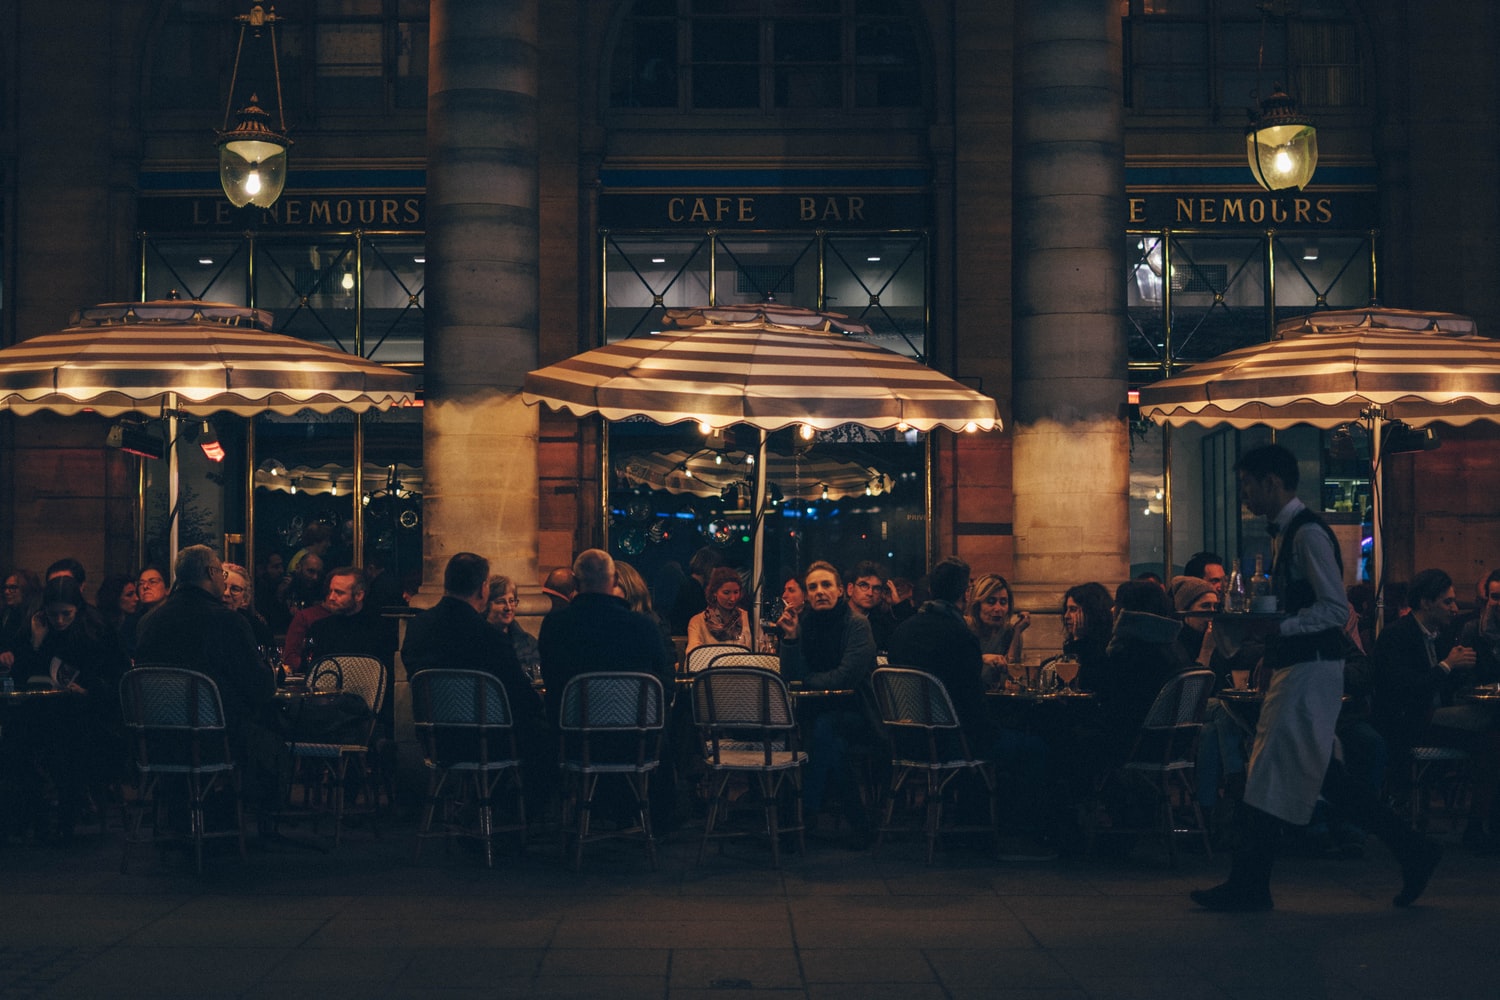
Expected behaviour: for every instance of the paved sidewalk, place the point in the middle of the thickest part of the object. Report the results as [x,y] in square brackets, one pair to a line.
[366,922]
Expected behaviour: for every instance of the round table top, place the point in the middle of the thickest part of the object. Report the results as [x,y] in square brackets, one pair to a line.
[1483,692]
[22,694]
[1240,695]
[1017,694]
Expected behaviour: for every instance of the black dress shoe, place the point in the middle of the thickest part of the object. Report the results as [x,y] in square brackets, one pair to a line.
[1417,866]
[1228,898]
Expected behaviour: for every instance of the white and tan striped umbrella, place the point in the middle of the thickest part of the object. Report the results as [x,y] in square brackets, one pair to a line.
[767,366]
[1325,368]
[192,357]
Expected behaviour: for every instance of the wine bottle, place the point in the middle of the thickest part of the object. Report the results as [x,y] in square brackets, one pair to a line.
[1235,598]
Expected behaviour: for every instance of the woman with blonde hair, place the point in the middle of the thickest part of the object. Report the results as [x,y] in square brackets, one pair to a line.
[723,620]
[989,618]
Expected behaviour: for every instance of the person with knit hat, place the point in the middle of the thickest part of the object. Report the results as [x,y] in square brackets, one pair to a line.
[1189,594]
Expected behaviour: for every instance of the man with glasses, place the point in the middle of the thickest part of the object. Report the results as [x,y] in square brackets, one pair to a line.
[866,592]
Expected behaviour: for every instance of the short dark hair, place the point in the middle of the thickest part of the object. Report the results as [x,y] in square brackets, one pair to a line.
[1145,596]
[1428,585]
[868,567]
[949,579]
[68,565]
[63,590]
[360,583]
[465,574]
[1200,562]
[1270,460]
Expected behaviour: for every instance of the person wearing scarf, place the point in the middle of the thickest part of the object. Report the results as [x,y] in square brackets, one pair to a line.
[828,647]
[722,620]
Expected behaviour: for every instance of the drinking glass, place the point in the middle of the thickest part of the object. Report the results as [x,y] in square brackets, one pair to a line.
[1067,671]
[1017,671]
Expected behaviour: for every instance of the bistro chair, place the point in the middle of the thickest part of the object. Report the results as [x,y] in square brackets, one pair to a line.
[1441,771]
[1162,759]
[463,719]
[322,766]
[700,657]
[764,661]
[611,724]
[927,741]
[745,719]
[177,721]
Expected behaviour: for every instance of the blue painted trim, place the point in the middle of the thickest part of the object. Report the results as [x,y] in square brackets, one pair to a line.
[678,180]
[1239,176]
[297,180]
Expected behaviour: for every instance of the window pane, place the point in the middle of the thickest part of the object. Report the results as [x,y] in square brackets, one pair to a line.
[726,86]
[809,87]
[726,41]
[411,65]
[804,40]
[349,66]
[330,9]
[645,66]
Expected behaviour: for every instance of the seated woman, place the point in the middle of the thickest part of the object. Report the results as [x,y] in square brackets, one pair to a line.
[989,618]
[117,599]
[723,620]
[72,648]
[630,585]
[1142,655]
[1087,618]
[502,617]
[239,596]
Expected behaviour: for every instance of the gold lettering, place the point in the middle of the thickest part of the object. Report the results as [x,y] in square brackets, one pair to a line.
[831,210]
[1278,211]
[291,211]
[366,211]
[1258,210]
[388,211]
[700,211]
[747,210]
[674,210]
[1184,210]
[413,210]
[721,208]
[1206,210]
[856,208]
[1234,210]
[805,210]
[1325,210]
[1302,208]
[1137,209]
[345,211]
[318,211]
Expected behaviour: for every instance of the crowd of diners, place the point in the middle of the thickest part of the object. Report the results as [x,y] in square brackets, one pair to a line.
[831,630]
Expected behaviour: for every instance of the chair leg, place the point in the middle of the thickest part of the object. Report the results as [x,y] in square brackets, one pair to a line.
[716,796]
[797,811]
[768,800]
[934,814]
[642,784]
[434,785]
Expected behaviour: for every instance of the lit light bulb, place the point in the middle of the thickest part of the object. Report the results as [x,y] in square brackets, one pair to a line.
[825,492]
[333,489]
[718,458]
[903,427]
[749,459]
[347,281]
[252,183]
[806,432]
[687,472]
[1283,161]
[970,427]
[704,427]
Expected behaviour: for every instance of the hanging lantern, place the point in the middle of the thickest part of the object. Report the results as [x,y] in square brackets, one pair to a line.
[1281,143]
[252,155]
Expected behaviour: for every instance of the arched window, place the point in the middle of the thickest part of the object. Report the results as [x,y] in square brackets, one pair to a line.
[766,56]
[1206,55]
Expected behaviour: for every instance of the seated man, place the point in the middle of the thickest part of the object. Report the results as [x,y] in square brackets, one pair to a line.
[830,647]
[453,635]
[1414,678]
[353,628]
[867,593]
[193,628]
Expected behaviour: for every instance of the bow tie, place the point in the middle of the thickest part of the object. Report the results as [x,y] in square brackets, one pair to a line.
[1273,529]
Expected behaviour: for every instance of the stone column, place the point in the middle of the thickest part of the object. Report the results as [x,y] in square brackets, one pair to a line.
[479,440]
[1071,451]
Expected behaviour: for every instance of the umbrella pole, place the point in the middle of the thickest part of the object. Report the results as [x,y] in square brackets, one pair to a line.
[173,474]
[758,555]
[1377,566]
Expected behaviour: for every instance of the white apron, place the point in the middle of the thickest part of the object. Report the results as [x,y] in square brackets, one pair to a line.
[1294,739]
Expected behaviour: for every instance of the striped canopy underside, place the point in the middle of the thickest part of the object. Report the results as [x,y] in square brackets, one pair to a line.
[795,476]
[197,368]
[1325,376]
[767,375]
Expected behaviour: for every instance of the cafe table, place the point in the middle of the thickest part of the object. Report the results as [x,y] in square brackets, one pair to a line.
[1483,694]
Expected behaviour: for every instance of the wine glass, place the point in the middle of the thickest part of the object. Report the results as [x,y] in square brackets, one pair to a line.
[1067,671]
[1017,671]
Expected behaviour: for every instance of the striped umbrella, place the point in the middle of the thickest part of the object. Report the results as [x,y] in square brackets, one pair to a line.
[190,357]
[1330,368]
[764,365]
[186,357]
[1326,368]
[767,366]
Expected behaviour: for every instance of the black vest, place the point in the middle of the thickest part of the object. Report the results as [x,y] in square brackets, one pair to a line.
[1296,593]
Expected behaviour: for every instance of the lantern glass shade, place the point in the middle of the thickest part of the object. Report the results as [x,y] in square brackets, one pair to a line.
[252,171]
[1281,144]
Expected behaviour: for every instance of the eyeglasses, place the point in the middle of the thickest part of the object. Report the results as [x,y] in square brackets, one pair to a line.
[513,602]
[219,571]
[865,585]
[235,588]
[151,581]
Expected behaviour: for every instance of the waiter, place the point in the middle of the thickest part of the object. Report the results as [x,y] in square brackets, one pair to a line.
[1292,760]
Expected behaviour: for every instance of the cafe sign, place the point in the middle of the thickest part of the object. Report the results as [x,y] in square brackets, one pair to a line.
[372,210]
[1251,209]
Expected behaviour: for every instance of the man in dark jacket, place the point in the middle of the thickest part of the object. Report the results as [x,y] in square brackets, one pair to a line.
[597,631]
[193,628]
